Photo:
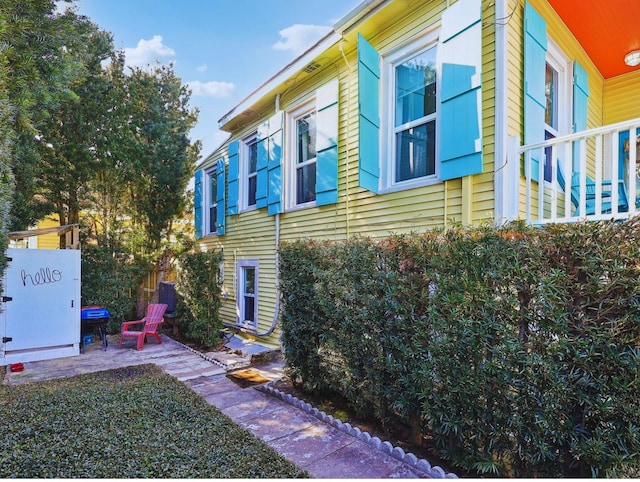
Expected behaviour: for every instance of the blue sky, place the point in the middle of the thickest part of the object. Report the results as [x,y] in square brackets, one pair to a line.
[224,49]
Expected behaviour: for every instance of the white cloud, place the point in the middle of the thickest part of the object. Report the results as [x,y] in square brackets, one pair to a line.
[202,68]
[299,38]
[211,89]
[147,52]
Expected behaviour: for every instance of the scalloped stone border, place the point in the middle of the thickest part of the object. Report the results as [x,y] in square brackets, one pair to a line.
[386,447]
[199,353]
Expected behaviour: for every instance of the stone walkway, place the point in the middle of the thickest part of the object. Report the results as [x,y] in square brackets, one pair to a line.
[323,446]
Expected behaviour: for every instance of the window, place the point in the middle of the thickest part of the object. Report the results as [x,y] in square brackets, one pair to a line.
[557,86]
[248,292]
[211,205]
[304,158]
[412,79]
[415,117]
[249,171]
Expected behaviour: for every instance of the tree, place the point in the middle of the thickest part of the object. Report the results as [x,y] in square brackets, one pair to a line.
[162,158]
[40,57]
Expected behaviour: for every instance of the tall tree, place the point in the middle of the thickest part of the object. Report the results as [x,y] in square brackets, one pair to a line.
[41,55]
[162,158]
[71,141]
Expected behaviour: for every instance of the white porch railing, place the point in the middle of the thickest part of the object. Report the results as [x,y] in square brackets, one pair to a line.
[587,176]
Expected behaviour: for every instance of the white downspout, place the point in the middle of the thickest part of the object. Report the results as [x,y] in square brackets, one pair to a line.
[505,167]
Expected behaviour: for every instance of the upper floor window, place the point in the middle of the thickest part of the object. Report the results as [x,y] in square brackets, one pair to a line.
[211,205]
[412,81]
[303,153]
[415,117]
[249,171]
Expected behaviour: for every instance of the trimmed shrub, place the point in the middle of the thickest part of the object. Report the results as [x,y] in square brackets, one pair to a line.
[516,350]
[199,287]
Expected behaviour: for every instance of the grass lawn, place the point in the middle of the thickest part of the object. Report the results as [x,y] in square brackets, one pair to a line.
[134,422]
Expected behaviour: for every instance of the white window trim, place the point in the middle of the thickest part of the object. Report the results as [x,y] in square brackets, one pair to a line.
[207,206]
[308,106]
[390,59]
[240,266]
[243,173]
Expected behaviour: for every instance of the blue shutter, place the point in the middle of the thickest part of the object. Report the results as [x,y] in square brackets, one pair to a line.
[369,115]
[460,128]
[274,174]
[327,144]
[535,51]
[232,202]
[220,220]
[197,204]
[580,105]
[262,165]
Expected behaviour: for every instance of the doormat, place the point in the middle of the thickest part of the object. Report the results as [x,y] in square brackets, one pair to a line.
[247,378]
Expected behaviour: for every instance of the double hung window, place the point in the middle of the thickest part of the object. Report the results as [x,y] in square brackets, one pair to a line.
[411,79]
[415,117]
[211,188]
[249,172]
[248,292]
[305,176]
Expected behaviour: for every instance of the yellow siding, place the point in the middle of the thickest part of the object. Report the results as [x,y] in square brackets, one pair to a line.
[622,98]
[48,241]
[251,235]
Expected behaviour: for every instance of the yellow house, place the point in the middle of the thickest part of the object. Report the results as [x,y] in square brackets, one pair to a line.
[416,114]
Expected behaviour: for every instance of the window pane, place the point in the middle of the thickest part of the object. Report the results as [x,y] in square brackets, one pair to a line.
[213,214]
[253,157]
[306,184]
[416,152]
[249,308]
[213,187]
[416,88]
[551,94]
[306,138]
[249,280]
[251,191]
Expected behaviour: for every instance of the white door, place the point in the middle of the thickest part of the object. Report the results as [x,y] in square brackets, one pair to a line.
[42,317]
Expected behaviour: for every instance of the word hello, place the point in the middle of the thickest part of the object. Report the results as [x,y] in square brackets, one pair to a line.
[41,277]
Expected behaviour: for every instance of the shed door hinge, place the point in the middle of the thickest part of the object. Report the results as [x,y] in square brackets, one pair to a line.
[7,298]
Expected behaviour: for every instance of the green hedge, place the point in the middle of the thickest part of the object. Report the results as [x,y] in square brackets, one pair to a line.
[199,288]
[515,350]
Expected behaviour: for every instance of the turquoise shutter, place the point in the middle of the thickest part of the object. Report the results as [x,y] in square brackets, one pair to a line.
[232,202]
[460,129]
[327,144]
[580,105]
[262,165]
[369,115]
[197,203]
[535,51]
[220,220]
[274,174]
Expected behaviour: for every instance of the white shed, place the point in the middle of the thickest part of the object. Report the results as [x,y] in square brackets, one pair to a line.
[40,316]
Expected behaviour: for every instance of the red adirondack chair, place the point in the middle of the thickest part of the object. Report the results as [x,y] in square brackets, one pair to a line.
[154,316]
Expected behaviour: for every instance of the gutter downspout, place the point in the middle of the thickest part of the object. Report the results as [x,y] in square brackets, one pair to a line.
[503,173]
[276,311]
